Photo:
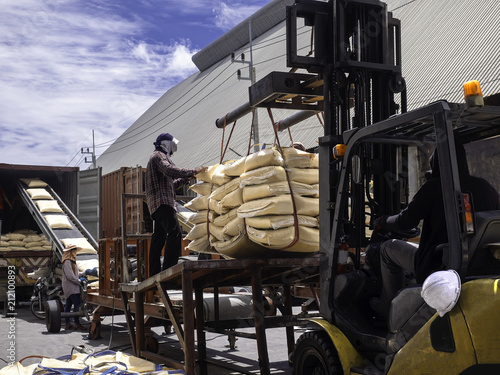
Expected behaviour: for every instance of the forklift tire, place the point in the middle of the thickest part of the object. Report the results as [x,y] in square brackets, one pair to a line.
[315,354]
[53,315]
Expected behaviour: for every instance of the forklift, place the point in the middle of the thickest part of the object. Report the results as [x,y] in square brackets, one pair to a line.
[372,160]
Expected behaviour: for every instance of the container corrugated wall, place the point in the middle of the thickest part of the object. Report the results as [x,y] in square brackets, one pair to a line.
[114,184]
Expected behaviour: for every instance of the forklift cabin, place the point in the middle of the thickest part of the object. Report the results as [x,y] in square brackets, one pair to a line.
[349,276]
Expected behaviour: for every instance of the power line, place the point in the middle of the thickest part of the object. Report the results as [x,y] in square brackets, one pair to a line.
[133,132]
[403,5]
[261,45]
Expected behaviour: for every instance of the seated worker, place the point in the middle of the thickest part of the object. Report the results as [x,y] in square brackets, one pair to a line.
[426,205]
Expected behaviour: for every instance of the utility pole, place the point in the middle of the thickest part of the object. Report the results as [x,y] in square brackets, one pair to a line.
[255,112]
[87,151]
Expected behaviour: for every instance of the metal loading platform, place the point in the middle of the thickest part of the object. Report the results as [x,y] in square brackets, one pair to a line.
[192,277]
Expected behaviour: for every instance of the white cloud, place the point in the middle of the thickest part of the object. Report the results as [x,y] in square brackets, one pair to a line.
[66,71]
[229,15]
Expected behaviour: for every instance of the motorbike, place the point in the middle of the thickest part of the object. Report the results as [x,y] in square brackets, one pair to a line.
[54,310]
[44,291]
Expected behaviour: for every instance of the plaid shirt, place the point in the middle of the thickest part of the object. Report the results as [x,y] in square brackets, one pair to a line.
[162,179]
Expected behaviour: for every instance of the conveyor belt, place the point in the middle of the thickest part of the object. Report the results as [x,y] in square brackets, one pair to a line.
[55,235]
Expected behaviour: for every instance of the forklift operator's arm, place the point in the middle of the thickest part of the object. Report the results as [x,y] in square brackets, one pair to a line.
[420,207]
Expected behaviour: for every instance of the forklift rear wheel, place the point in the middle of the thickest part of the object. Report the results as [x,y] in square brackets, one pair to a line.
[53,315]
[315,355]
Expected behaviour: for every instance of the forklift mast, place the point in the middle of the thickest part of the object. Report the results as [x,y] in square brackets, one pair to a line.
[357,54]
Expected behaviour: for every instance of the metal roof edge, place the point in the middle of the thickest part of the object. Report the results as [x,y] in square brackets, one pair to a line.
[264,19]
[24,167]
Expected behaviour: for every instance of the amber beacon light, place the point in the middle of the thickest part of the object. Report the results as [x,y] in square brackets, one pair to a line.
[472,94]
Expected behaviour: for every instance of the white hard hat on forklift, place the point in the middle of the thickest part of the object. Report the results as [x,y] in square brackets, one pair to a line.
[441,290]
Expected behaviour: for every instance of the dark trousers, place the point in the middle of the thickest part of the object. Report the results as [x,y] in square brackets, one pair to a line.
[73,300]
[167,233]
[395,257]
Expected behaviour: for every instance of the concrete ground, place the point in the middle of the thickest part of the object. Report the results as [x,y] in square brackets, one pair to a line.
[32,339]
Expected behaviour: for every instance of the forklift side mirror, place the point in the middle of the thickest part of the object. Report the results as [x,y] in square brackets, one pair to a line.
[357,176]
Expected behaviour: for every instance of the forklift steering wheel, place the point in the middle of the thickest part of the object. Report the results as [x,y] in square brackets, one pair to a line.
[397,235]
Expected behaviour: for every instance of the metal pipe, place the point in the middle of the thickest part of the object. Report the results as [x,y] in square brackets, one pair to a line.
[294,119]
[246,109]
[234,115]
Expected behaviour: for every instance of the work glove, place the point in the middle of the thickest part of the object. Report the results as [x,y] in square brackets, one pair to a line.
[379,223]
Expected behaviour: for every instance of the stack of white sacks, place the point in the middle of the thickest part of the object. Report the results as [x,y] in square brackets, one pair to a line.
[245,208]
[24,239]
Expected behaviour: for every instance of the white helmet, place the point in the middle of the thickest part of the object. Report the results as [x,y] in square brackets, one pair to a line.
[441,290]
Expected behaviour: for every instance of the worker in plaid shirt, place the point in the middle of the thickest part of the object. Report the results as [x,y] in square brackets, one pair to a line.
[162,179]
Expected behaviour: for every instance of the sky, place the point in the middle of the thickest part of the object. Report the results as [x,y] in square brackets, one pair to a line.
[74,73]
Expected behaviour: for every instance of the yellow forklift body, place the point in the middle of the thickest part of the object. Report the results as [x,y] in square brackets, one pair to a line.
[480,303]
[475,324]
[348,355]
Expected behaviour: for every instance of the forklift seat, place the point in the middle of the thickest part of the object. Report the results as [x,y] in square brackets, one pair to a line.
[403,306]
[407,314]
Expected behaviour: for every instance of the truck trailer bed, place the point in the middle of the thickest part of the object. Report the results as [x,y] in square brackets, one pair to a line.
[192,278]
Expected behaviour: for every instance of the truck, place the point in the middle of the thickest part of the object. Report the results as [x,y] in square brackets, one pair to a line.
[373,158]
[21,217]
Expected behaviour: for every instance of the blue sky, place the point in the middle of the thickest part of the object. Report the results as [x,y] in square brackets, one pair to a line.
[68,67]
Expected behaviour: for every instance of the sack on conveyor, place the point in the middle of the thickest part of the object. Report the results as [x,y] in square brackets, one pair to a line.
[39,193]
[280,205]
[280,239]
[33,182]
[48,206]
[82,243]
